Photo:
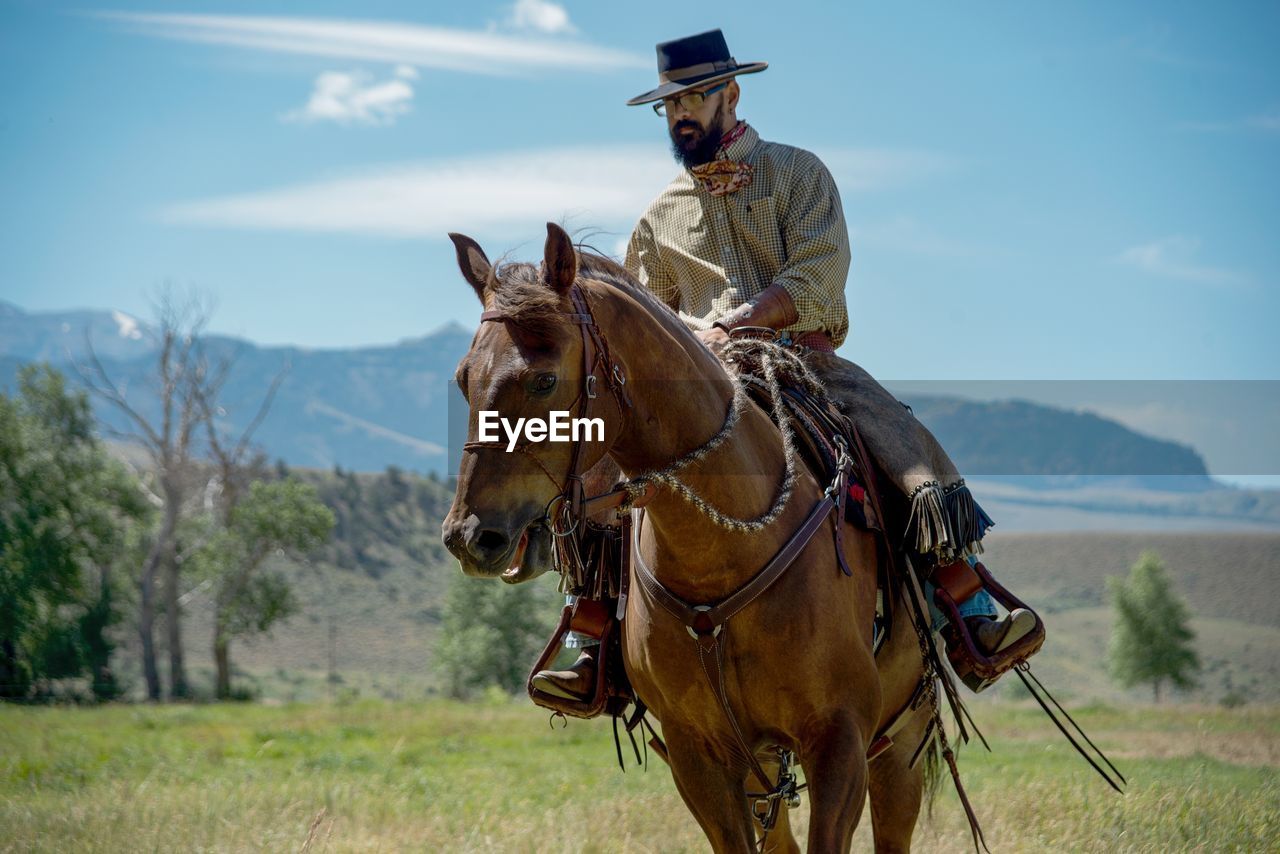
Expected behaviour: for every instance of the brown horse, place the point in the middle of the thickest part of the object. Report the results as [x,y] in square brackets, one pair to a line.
[798,668]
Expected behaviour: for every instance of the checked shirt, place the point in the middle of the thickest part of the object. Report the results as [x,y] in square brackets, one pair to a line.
[706,255]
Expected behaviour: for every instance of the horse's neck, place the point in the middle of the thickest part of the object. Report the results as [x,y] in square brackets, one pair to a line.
[680,398]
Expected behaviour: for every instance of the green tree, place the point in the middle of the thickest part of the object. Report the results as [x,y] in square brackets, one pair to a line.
[1151,640]
[65,513]
[277,517]
[492,633]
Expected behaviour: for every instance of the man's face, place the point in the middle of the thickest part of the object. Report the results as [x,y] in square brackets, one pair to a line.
[696,133]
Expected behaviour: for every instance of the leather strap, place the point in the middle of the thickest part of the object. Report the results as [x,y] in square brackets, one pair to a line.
[705,623]
[573,482]
[589,618]
[679,75]
[958,579]
[620,497]
[707,619]
[595,355]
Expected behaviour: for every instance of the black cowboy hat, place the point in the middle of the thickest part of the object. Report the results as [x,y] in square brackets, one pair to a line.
[694,61]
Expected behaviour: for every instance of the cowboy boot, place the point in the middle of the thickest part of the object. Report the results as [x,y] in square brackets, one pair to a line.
[575,683]
[990,636]
[993,635]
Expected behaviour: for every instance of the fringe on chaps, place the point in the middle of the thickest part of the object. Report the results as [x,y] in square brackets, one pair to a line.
[944,519]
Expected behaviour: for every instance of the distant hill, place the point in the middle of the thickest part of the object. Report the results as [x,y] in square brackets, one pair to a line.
[371,407]
[363,409]
[1039,446]
[376,594]
[57,336]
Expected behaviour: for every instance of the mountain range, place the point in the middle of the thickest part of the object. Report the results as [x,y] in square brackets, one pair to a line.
[368,408]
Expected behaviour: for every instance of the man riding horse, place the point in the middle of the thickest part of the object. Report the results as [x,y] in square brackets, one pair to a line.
[751,233]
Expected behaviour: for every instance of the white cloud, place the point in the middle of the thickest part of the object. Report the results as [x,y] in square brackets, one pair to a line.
[407,72]
[508,193]
[502,193]
[540,15]
[1171,257]
[382,41]
[355,98]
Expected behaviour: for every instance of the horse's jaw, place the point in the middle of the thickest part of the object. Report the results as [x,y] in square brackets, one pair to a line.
[533,555]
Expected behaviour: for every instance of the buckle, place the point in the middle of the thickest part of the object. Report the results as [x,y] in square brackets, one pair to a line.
[702,624]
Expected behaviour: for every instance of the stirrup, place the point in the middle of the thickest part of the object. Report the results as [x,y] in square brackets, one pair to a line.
[591,618]
[581,672]
[977,670]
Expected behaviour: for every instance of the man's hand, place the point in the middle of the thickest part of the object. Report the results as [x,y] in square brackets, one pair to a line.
[715,338]
[773,308]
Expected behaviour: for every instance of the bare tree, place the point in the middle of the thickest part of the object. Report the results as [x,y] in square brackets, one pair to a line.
[234,472]
[182,383]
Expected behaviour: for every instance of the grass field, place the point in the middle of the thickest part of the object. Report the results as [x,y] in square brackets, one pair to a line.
[438,776]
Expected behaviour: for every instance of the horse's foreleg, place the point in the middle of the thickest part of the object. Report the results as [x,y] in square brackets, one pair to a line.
[713,791]
[835,765]
[897,790]
[780,840]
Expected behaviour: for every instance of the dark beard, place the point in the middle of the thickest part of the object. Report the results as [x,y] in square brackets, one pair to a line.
[702,146]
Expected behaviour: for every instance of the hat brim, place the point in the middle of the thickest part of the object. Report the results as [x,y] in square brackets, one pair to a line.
[674,87]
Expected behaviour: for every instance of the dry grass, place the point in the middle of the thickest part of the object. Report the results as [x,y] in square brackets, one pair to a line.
[1226,575]
[493,777]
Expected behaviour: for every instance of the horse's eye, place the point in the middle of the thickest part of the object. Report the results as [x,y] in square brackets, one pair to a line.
[544,383]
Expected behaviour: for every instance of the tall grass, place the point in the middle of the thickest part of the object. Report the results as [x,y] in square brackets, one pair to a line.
[375,776]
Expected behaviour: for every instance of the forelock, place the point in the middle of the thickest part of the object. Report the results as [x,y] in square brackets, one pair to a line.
[523,297]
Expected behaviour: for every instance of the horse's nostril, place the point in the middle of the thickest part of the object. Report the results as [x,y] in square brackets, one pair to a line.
[492,542]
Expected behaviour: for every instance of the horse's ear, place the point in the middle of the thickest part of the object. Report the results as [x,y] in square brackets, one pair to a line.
[560,258]
[475,267]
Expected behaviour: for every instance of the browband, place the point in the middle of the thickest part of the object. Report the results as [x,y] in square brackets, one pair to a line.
[576,317]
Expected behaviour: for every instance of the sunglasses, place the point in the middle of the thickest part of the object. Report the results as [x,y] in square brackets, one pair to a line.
[689,101]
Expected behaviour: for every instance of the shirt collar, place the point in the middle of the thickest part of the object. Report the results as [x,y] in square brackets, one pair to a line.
[739,147]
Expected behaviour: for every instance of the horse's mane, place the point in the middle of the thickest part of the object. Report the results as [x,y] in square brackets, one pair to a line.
[522,294]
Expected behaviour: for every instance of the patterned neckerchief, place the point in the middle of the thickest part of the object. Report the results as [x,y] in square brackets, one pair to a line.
[723,176]
[729,138]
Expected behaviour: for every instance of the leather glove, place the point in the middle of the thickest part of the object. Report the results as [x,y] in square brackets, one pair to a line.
[773,308]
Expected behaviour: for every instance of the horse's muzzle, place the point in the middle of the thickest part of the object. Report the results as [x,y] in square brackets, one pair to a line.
[489,552]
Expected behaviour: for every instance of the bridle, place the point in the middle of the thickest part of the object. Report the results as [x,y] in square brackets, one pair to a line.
[564,513]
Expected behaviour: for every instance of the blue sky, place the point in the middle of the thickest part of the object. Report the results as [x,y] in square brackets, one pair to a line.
[1034,191]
